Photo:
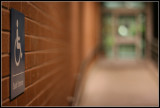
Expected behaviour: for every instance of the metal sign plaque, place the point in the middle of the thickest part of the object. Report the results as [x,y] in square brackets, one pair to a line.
[17,49]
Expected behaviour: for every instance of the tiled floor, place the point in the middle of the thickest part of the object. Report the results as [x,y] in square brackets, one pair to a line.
[120,84]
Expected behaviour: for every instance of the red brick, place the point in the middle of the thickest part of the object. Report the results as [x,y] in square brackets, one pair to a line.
[5,42]
[41,71]
[5,65]
[41,99]
[38,58]
[5,19]
[29,10]
[46,29]
[10,103]
[5,4]
[43,6]
[41,45]
[16,5]
[34,75]
[34,44]
[30,27]
[37,87]
[33,28]
[27,78]
[27,43]
[5,88]
[35,102]
[30,93]
[29,60]
[34,14]
[22,99]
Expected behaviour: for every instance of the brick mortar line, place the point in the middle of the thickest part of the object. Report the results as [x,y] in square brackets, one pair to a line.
[40,10]
[50,28]
[37,22]
[33,20]
[35,67]
[53,50]
[52,94]
[3,77]
[30,69]
[44,51]
[49,86]
[42,78]
[49,16]
[39,66]
[6,32]
[46,100]
[38,37]
[5,9]
[7,77]
[7,99]
[44,38]
[36,51]
[61,94]
[4,55]
[38,95]
[45,27]
[37,8]
[4,101]
[51,38]
[46,76]
[8,10]
[43,64]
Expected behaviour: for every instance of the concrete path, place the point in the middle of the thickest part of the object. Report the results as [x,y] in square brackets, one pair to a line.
[117,83]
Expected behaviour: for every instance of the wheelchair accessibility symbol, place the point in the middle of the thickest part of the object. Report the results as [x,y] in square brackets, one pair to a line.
[17,46]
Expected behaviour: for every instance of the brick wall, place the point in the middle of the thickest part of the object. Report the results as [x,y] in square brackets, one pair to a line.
[85,39]
[90,27]
[59,37]
[46,49]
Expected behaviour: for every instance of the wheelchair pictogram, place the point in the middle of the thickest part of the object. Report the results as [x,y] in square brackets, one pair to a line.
[17,46]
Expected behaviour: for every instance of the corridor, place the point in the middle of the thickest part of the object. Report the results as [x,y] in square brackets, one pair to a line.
[127,83]
[79,53]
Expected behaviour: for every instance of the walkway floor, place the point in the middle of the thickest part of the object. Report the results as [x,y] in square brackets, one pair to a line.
[120,84]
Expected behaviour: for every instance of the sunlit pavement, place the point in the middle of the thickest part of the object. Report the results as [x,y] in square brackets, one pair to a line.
[120,83]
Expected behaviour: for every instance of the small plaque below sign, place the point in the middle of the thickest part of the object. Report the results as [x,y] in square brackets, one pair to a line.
[17,54]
